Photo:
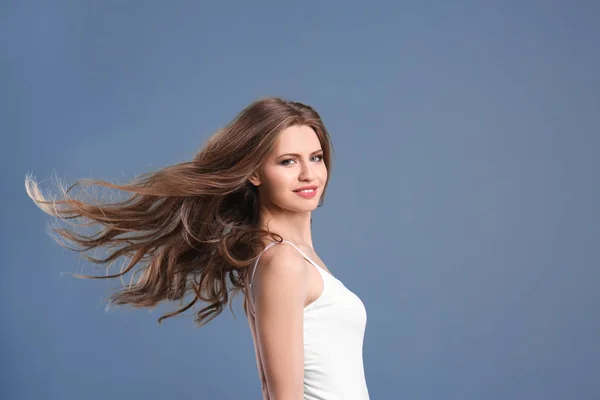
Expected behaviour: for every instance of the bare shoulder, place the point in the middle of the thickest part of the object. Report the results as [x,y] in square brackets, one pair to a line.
[281,269]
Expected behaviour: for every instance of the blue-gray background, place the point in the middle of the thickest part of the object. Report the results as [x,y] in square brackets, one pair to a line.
[463,207]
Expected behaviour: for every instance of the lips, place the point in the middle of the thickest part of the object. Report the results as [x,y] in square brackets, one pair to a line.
[306,188]
[308,192]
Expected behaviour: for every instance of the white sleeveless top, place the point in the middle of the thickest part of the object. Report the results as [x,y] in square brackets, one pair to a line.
[334,327]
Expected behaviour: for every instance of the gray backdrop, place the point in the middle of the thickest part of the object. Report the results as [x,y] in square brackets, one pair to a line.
[463,207]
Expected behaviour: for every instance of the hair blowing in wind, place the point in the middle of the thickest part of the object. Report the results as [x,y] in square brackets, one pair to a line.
[190,227]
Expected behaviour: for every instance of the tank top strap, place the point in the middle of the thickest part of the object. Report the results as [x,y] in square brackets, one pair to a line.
[262,252]
[304,254]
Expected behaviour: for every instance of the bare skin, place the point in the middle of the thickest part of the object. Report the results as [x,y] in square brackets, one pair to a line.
[284,282]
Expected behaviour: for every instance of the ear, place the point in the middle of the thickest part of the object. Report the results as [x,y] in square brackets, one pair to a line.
[254,179]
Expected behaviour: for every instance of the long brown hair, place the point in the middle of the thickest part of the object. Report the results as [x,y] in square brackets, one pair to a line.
[190,226]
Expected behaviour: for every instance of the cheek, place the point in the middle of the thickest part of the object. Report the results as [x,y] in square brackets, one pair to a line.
[277,179]
[323,173]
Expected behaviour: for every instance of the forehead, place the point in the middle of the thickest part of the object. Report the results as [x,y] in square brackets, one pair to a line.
[297,139]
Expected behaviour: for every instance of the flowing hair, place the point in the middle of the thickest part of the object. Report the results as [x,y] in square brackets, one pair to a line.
[189,227]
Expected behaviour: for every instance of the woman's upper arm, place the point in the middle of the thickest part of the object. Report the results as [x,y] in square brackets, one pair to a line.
[280,289]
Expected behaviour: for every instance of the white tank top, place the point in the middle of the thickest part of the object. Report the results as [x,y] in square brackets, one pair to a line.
[334,327]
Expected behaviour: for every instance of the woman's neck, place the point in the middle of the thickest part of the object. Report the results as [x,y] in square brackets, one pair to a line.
[293,227]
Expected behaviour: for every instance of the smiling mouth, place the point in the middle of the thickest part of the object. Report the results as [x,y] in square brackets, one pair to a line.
[307,189]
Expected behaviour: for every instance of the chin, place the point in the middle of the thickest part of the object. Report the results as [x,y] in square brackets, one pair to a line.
[307,207]
[310,206]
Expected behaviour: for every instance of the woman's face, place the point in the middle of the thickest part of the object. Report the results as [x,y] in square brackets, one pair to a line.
[295,162]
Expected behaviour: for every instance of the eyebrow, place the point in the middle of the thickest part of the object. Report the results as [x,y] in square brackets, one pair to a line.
[298,155]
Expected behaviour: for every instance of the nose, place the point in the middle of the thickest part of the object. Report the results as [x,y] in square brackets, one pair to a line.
[306,172]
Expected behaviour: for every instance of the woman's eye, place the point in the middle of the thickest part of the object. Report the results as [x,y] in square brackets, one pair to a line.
[284,162]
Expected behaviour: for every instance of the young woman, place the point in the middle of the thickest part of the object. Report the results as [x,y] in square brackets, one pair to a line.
[237,217]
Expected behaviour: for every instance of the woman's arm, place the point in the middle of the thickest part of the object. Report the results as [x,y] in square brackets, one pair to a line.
[280,289]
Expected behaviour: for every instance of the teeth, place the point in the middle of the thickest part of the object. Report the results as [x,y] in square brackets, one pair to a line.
[307,190]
